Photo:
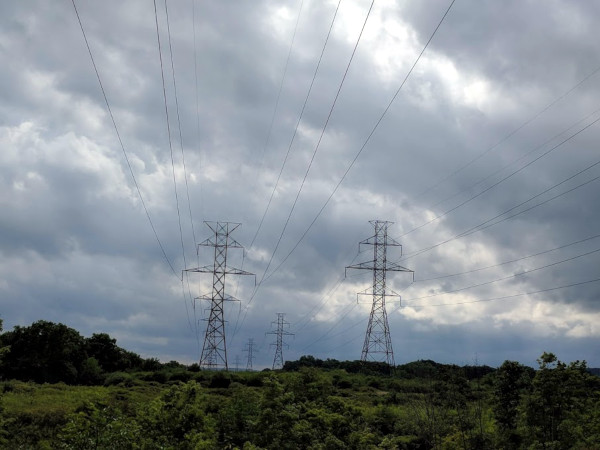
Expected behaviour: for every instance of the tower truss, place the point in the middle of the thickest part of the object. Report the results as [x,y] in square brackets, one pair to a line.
[214,349]
[279,332]
[250,350]
[378,343]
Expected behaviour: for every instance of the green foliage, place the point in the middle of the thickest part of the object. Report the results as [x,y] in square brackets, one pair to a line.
[110,357]
[561,396]
[99,426]
[46,352]
[512,382]
[315,404]
[177,420]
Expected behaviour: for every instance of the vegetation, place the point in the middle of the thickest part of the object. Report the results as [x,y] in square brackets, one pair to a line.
[94,395]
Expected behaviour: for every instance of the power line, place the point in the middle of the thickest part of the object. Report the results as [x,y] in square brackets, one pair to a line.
[316,147]
[265,148]
[198,150]
[179,126]
[121,143]
[507,262]
[473,197]
[512,133]
[504,297]
[377,123]
[323,336]
[508,165]
[479,227]
[320,304]
[297,123]
[505,278]
[309,165]
[287,61]
[162,74]
[187,190]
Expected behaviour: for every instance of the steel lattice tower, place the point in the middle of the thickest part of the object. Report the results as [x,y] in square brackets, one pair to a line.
[280,332]
[250,350]
[378,343]
[214,349]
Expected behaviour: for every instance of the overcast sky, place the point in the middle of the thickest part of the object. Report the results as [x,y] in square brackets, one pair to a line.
[484,161]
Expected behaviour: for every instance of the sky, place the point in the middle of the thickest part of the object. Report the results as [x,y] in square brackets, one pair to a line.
[303,121]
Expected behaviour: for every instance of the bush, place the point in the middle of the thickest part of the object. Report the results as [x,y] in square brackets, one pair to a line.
[220,380]
[117,378]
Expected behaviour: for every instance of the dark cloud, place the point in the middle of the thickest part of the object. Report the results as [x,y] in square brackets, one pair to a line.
[76,246]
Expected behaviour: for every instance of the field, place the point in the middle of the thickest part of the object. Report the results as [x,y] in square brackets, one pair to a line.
[312,404]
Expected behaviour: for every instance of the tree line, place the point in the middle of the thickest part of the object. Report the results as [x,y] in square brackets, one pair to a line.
[47,352]
[134,403]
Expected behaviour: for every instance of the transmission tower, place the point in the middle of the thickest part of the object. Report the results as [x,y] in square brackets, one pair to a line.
[214,349]
[378,344]
[237,363]
[280,332]
[250,350]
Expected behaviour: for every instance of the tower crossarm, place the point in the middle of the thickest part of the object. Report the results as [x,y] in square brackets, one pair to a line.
[225,270]
[372,265]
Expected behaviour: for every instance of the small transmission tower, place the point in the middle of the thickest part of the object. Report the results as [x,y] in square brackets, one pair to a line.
[378,343]
[250,350]
[280,332]
[214,349]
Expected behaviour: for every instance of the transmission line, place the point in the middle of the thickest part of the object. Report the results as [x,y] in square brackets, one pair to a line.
[473,197]
[504,297]
[297,123]
[377,123]
[505,278]
[479,227]
[179,126]
[198,150]
[507,262]
[507,165]
[309,165]
[112,118]
[162,74]
[316,147]
[287,61]
[512,133]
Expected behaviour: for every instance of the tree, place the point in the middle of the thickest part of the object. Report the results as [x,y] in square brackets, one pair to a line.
[44,352]
[562,394]
[111,357]
[512,380]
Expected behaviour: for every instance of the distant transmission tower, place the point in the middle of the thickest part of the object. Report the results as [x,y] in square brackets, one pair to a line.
[280,332]
[237,363]
[214,349]
[250,350]
[378,343]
